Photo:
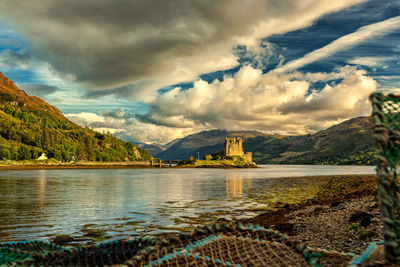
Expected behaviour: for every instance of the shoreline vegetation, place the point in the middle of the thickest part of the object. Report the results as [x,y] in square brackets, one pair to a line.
[229,162]
[75,165]
[54,164]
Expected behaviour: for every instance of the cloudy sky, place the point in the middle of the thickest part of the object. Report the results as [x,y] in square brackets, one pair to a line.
[155,70]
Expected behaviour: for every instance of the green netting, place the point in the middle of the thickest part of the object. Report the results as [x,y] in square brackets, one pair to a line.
[9,256]
[386,124]
[24,252]
[237,245]
[219,244]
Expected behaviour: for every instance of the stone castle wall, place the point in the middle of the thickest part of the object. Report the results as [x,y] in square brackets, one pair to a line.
[234,147]
[249,156]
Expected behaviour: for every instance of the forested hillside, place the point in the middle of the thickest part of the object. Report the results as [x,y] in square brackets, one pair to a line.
[30,126]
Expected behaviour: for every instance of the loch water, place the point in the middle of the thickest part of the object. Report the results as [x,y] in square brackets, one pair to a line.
[40,204]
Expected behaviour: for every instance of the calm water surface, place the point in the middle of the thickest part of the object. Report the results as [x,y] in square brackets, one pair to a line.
[38,204]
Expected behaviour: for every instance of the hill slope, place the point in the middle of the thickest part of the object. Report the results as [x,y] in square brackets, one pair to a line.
[154,149]
[349,142]
[205,142]
[30,126]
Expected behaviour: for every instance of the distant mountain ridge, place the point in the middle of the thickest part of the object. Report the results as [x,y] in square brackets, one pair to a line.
[154,148]
[349,142]
[205,142]
[29,126]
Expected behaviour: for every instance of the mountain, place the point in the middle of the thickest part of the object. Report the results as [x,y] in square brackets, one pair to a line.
[205,142]
[349,142]
[154,148]
[30,126]
[12,95]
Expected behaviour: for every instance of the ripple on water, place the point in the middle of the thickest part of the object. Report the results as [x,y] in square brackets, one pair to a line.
[98,204]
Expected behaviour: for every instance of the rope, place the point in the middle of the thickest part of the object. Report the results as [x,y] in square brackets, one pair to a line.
[386,119]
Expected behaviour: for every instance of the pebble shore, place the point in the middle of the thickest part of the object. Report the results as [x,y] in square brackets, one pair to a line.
[344,216]
[332,226]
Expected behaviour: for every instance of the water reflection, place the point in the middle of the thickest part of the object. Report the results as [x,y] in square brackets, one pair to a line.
[36,204]
[42,184]
[236,185]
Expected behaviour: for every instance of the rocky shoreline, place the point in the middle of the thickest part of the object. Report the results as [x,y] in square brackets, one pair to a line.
[344,216]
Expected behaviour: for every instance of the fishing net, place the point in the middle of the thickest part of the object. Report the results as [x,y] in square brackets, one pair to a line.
[24,252]
[237,245]
[386,124]
[225,245]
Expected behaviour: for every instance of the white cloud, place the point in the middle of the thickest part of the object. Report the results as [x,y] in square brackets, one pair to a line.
[129,128]
[344,42]
[250,100]
[369,61]
[85,118]
[135,48]
[133,55]
[272,102]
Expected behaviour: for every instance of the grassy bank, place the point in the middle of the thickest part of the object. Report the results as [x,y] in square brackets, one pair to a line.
[226,163]
[54,164]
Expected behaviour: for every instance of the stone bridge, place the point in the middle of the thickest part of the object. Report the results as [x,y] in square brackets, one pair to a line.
[160,162]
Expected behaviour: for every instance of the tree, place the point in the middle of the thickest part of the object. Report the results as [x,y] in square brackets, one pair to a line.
[208,157]
[4,153]
[23,153]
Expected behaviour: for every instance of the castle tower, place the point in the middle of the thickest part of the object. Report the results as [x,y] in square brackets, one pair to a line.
[234,147]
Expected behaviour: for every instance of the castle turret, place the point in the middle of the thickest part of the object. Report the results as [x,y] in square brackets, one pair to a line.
[234,147]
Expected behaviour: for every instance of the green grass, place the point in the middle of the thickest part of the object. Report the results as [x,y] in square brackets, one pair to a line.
[222,163]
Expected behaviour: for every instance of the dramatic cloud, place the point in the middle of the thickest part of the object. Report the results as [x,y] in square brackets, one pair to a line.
[133,47]
[117,114]
[259,58]
[344,42]
[15,60]
[369,61]
[129,128]
[272,102]
[250,100]
[38,89]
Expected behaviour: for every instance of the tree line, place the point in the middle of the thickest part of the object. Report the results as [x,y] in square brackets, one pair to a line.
[25,134]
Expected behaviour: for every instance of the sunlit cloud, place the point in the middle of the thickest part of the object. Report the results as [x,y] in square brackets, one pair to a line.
[269,102]
[201,66]
[121,50]
[129,128]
